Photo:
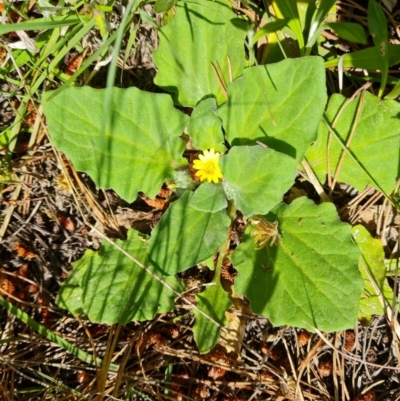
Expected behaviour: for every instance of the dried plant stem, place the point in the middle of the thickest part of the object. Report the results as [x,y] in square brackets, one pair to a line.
[351,136]
[314,181]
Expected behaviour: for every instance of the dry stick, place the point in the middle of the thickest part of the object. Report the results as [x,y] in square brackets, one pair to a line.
[351,136]
[345,393]
[111,344]
[90,338]
[298,391]
[220,79]
[382,225]
[124,361]
[392,21]
[230,70]
[395,301]
[10,211]
[307,360]
[334,373]
[314,181]
[370,202]
[334,122]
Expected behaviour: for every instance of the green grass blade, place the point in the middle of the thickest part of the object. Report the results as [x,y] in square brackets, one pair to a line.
[42,330]
[268,28]
[85,65]
[40,24]
[60,385]
[318,17]
[379,30]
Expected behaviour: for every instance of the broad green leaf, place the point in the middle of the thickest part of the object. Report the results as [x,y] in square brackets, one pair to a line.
[375,145]
[71,293]
[162,6]
[278,104]
[139,149]
[373,259]
[256,178]
[379,30]
[186,236]
[368,59]
[214,301]
[198,37]
[205,127]
[209,197]
[114,289]
[311,278]
[349,31]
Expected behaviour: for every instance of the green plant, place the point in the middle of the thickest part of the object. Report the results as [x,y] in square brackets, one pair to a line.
[302,270]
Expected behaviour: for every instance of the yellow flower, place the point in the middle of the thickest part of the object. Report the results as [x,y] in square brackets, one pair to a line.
[208,166]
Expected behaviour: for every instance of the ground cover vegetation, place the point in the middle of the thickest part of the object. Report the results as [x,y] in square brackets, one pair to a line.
[200,200]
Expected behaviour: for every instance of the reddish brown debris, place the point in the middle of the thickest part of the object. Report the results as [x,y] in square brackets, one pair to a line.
[23,271]
[98,329]
[21,295]
[23,251]
[150,339]
[73,64]
[32,114]
[216,372]
[303,338]
[41,299]
[325,368]
[45,316]
[370,395]
[272,353]
[21,147]
[85,229]
[267,375]
[7,284]
[83,377]
[191,298]
[234,399]
[226,273]
[349,339]
[171,331]
[157,203]
[217,355]
[66,222]
[200,392]
[164,193]
[32,288]
[176,385]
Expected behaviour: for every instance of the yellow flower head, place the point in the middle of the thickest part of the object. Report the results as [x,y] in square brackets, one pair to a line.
[208,166]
